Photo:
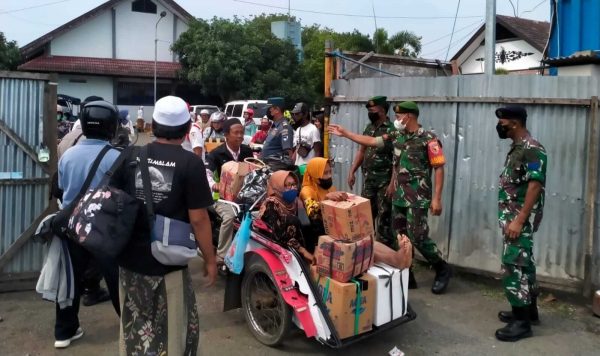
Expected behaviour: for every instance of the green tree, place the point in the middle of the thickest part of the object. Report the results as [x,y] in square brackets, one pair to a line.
[239,59]
[10,56]
[404,43]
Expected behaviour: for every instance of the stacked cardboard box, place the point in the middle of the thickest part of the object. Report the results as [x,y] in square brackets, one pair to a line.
[232,179]
[348,220]
[350,305]
[341,260]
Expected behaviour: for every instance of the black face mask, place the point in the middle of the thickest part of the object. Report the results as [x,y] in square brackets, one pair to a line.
[502,131]
[325,183]
[373,116]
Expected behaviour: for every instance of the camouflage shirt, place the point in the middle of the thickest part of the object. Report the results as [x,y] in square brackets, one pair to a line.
[525,161]
[376,165]
[413,178]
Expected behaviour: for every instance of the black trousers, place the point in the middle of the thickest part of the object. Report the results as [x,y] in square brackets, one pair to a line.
[67,319]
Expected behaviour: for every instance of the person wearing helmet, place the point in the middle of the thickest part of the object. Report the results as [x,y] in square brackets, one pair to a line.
[204,119]
[150,290]
[249,125]
[307,138]
[99,120]
[215,131]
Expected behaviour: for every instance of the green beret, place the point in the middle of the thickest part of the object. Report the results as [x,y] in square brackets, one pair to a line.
[406,106]
[377,101]
[276,101]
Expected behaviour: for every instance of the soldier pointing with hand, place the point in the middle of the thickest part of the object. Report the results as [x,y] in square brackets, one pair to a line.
[416,153]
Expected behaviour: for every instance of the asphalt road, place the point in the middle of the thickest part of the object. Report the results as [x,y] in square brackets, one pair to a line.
[461,322]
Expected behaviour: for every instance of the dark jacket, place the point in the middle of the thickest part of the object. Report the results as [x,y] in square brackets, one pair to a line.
[220,155]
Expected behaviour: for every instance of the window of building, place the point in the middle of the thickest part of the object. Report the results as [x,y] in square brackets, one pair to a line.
[146,6]
[140,93]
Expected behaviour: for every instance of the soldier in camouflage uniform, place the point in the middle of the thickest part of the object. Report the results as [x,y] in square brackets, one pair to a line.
[520,208]
[376,169]
[416,152]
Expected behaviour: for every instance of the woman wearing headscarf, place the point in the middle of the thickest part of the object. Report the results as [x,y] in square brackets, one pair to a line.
[280,210]
[318,186]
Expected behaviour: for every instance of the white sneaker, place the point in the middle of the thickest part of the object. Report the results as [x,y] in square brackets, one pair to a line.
[61,344]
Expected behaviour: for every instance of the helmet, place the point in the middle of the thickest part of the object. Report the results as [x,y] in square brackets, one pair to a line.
[218,116]
[250,112]
[99,119]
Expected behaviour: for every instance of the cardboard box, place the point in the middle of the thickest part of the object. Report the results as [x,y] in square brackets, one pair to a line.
[341,303]
[232,179]
[343,260]
[391,293]
[348,220]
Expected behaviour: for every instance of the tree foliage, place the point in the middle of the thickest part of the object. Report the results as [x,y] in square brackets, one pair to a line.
[10,56]
[241,59]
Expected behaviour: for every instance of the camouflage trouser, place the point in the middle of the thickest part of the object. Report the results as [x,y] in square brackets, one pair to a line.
[381,208]
[413,223]
[518,268]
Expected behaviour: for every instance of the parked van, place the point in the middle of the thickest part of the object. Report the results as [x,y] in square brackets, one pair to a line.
[198,108]
[235,109]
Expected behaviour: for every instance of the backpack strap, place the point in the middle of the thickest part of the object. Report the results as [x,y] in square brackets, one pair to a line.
[146,183]
[126,153]
[92,172]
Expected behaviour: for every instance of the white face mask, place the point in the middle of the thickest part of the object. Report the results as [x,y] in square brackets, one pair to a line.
[399,125]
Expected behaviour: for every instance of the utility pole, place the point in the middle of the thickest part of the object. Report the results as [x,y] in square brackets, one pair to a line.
[490,37]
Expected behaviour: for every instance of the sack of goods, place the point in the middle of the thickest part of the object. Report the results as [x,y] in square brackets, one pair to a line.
[350,304]
[341,260]
[391,293]
[347,220]
[232,179]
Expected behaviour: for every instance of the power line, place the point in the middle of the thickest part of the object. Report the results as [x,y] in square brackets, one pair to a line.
[448,34]
[453,27]
[32,7]
[453,43]
[355,15]
[535,7]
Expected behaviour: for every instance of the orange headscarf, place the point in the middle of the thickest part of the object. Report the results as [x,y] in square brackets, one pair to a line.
[310,185]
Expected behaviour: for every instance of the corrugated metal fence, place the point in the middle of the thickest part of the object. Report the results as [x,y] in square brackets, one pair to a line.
[27,121]
[460,110]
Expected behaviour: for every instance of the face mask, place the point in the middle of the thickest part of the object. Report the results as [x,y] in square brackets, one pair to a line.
[290,195]
[326,183]
[399,125]
[373,116]
[502,131]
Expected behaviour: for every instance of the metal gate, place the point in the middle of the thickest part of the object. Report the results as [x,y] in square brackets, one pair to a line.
[27,124]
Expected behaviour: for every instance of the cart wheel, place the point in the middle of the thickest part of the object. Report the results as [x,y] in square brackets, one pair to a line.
[267,314]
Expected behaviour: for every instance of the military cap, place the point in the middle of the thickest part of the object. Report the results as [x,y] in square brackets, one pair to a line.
[407,106]
[377,101]
[515,112]
[276,101]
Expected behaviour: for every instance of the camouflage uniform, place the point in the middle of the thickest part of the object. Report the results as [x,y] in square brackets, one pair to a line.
[414,189]
[525,161]
[377,172]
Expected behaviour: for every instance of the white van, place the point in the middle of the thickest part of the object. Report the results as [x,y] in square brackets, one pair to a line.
[235,109]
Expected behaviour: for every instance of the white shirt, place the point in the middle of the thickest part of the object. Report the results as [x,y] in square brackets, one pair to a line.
[308,135]
[140,114]
[194,139]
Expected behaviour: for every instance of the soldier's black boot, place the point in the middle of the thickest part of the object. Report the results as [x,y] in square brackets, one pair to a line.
[412,282]
[534,318]
[443,272]
[517,329]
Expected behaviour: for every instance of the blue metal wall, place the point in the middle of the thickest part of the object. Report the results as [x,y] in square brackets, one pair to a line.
[575,27]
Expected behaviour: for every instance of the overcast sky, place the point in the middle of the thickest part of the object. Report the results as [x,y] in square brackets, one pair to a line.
[26,20]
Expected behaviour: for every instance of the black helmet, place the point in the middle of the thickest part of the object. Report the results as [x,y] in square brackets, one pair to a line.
[99,119]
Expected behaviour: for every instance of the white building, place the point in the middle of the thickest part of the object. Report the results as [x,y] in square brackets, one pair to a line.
[109,52]
[520,44]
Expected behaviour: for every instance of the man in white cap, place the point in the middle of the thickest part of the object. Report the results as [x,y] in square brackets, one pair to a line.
[204,119]
[158,298]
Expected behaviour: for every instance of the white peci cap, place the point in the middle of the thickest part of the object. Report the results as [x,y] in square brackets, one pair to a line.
[204,111]
[171,111]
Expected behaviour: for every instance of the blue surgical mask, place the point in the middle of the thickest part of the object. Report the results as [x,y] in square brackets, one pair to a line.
[290,195]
